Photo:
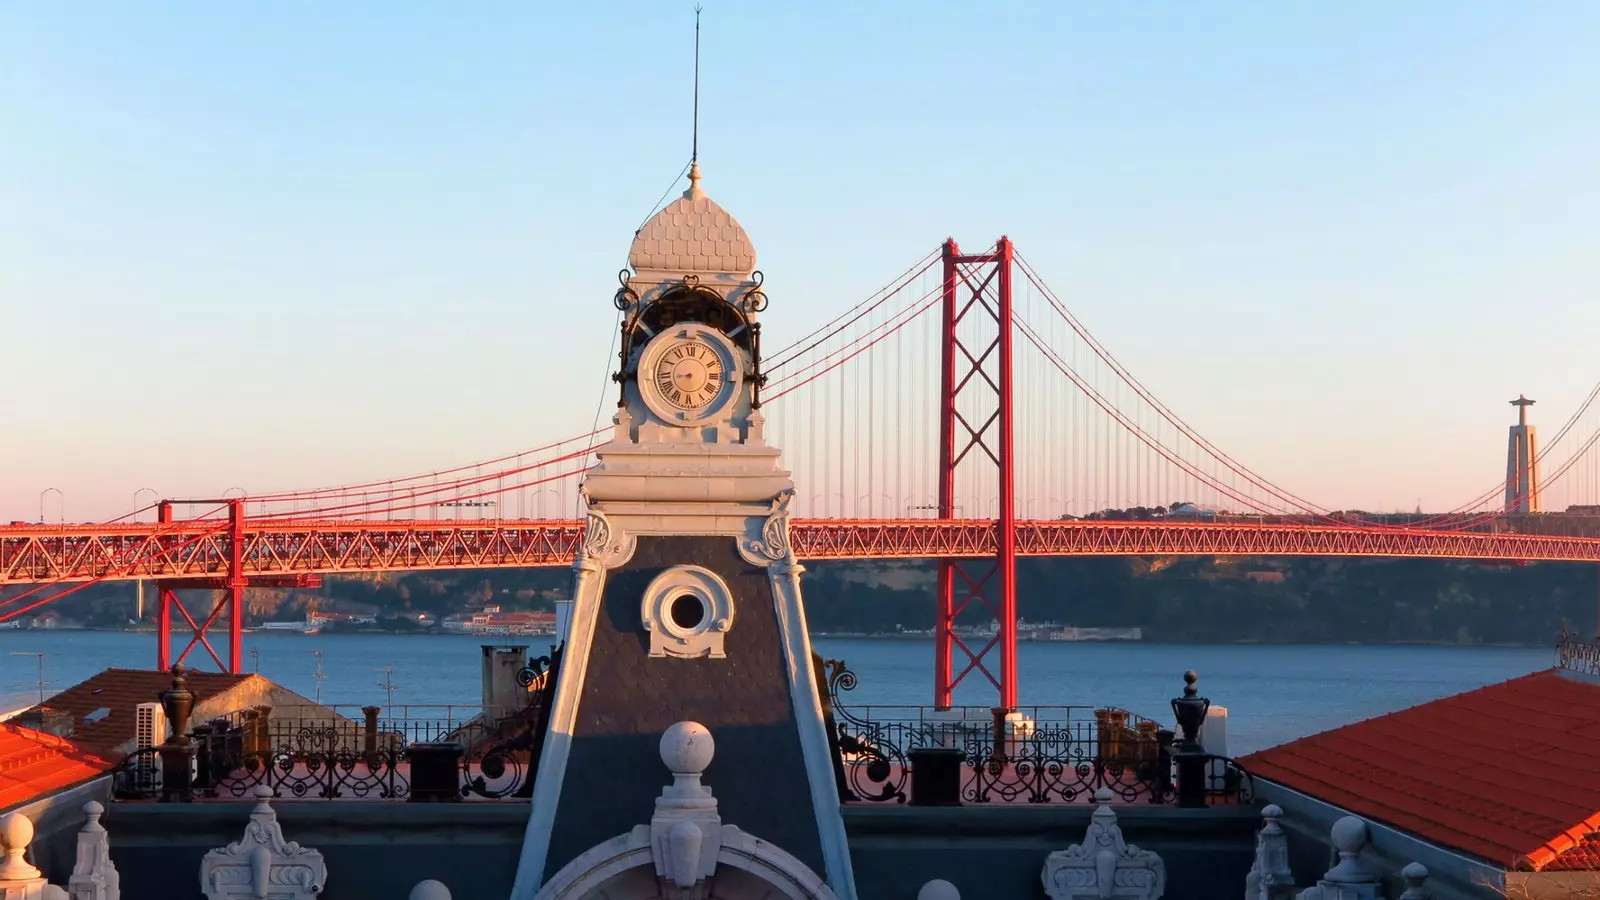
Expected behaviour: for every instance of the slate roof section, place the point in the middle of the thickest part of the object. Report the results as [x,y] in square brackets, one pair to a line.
[693,234]
[33,765]
[119,692]
[1504,773]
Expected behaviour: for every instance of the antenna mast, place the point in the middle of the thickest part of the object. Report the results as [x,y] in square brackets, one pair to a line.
[694,148]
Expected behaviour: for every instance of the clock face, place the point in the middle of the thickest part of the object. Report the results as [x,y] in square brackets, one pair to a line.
[689,376]
[689,373]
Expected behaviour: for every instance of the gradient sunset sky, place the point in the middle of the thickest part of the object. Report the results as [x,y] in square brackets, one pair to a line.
[283,245]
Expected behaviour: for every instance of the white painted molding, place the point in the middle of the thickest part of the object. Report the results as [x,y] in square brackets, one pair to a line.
[709,613]
[590,579]
[807,703]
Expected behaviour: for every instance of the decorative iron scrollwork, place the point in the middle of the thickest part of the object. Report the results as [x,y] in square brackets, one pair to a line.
[337,758]
[755,299]
[534,670]
[875,767]
[625,295]
[1044,755]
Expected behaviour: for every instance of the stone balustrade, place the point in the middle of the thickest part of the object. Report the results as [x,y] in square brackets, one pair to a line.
[93,875]
[1350,878]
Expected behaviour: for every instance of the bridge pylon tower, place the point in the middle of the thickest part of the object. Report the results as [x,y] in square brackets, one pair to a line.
[231,580]
[976,437]
[1522,463]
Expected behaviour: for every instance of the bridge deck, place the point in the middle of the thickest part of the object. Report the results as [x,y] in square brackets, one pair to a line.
[199,549]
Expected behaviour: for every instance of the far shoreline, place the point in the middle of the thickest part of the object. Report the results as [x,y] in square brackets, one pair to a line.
[836,636]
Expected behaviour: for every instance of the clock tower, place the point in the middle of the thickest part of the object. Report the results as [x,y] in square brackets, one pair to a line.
[686,602]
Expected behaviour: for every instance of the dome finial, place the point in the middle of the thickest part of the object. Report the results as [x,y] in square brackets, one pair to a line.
[694,191]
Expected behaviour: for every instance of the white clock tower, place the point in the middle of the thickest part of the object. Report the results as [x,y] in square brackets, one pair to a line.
[686,601]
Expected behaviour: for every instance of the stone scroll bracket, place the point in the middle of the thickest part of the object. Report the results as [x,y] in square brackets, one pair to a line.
[766,540]
[604,543]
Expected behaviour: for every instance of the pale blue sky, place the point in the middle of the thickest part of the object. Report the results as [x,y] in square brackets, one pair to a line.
[288,244]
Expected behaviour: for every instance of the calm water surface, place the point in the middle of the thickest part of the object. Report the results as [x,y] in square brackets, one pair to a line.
[1274,693]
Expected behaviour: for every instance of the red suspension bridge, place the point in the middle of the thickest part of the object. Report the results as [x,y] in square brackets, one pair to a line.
[901,420]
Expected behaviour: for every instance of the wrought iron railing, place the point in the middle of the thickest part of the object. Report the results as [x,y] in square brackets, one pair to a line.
[315,752]
[1039,754]
[1577,655]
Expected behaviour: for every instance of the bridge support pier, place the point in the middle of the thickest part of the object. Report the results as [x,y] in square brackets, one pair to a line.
[977,284]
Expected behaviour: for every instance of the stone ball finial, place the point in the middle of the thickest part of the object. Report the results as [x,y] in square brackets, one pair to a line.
[1103,795]
[1272,811]
[16,832]
[1189,678]
[262,792]
[429,890]
[1349,835]
[93,808]
[687,748]
[938,889]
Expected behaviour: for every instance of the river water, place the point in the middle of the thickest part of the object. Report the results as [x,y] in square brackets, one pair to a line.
[1274,693]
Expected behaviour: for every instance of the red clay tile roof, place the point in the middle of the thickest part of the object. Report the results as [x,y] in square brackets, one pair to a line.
[33,765]
[120,691]
[1505,772]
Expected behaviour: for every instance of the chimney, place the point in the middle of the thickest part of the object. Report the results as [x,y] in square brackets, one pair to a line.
[502,696]
[47,720]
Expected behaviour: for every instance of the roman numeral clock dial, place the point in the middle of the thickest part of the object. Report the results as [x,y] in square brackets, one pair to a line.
[687,374]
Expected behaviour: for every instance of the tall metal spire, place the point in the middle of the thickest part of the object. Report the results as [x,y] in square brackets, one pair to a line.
[694,149]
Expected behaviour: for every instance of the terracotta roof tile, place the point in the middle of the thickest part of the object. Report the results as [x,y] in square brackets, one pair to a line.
[1503,773]
[34,764]
[119,692]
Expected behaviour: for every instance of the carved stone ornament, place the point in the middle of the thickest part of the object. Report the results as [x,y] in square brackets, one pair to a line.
[93,876]
[1270,878]
[1104,865]
[772,543]
[605,545]
[687,610]
[262,865]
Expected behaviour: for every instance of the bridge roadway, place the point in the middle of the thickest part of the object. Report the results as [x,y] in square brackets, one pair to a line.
[201,549]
